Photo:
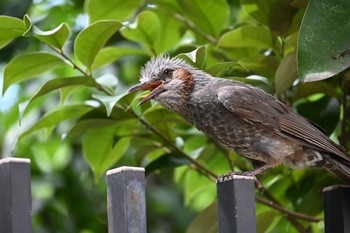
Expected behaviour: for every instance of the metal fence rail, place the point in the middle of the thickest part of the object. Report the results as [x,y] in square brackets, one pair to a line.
[127,202]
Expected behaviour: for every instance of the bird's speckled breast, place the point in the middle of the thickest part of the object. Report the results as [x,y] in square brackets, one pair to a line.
[208,114]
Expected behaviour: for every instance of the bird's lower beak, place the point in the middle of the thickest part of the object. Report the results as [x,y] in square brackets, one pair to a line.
[155,88]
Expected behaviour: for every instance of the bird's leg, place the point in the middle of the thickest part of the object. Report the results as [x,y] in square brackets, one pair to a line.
[252,173]
[256,171]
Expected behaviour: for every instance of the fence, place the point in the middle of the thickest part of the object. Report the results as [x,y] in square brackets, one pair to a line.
[127,204]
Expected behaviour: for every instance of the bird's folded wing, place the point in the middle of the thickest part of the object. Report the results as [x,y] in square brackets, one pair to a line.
[257,107]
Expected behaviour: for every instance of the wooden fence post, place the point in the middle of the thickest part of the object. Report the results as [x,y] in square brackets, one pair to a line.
[126,200]
[15,196]
[236,205]
[337,209]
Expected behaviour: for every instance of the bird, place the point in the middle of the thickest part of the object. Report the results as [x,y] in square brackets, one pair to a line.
[241,118]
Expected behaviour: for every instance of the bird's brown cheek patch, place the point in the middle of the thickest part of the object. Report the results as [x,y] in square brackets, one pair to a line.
[186,77]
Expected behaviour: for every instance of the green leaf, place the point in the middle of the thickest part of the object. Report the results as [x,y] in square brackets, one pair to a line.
[286,73]
[211,17]
[54,84]
[111,9]
[145,30]
[56,37]
[196,57]
[168,5]
[206,221]
[199,191]
[109,101]
[58,115]
[247,36]
[24,67]
[171,31]
[324,44]
[10,28]
[99,149]
[166,161]
[265,219]
[219,68]
[327,114]
[277,15]
[83,125]
[28,24]
[262,65]
[308,89]
[110,54]
[90,40]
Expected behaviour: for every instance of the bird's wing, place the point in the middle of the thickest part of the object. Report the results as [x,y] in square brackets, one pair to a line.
[257,107]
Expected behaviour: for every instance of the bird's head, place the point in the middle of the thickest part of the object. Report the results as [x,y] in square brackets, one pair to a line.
[168,79]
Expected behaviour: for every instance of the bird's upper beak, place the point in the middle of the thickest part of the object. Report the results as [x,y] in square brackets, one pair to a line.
[155,87]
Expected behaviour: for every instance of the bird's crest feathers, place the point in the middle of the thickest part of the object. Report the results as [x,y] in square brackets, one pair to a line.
[157,64]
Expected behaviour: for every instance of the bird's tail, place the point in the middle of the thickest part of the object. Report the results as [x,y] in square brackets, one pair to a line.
[339,167]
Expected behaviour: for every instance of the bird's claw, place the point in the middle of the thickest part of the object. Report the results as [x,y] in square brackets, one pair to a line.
[230,175]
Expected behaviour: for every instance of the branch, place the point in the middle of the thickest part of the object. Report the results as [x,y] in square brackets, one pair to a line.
[75,66]
[286,211]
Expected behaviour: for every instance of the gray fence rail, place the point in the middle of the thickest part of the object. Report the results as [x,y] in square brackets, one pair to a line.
[126,201]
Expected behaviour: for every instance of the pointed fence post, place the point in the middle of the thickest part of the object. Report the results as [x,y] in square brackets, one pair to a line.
[337,209]
[126,200]
[15,196]
[236,205]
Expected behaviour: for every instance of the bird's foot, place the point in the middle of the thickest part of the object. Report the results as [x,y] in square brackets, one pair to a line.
[230,176]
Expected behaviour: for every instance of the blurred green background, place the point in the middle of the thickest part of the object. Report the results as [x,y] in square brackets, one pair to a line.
[64,105]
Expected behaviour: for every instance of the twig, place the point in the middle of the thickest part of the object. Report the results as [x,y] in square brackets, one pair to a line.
[75,66]
[201,168]
[286,211]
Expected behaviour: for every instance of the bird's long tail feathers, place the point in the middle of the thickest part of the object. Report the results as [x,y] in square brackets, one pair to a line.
[338,167]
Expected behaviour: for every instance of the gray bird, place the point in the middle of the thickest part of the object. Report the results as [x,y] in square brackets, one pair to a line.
[242,118]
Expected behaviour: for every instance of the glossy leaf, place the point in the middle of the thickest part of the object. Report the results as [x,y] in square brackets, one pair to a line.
[24,67]
[56,37]
[206,221]
[324,45]
[265,219]
[261,65]
[100,151]
[277,15]
[110,54]
[109,101]
[168,5]
[286,73]
[219,68]
[247,36]
[58,115]
[90,40]
[29,26]
[10,28]
[166,161]
[196,57]
[326,115]
[55,84]
[111,9]
[201,14]
[308,89]
[82,126]
[171,32]
[145,30]
[199,191]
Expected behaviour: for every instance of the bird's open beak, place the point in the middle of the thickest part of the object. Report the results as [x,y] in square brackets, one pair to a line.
[155,87]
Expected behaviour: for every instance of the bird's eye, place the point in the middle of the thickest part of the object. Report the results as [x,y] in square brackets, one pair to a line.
[167,71]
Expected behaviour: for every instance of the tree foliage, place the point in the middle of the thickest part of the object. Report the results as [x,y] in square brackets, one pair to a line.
[67,66]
